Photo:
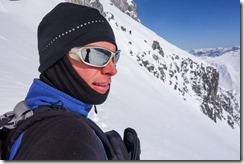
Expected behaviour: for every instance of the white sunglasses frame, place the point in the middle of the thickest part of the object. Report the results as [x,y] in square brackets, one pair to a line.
[75,53]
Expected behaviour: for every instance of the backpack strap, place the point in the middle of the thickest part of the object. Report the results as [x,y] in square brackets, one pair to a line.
[10,119]
[3,136]
[13,134]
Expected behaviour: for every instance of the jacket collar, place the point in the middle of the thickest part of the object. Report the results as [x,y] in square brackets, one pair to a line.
[41,94]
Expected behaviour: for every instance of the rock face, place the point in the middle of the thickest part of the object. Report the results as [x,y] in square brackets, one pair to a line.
[193,79]
[128,8]
[123,5]
[92,3]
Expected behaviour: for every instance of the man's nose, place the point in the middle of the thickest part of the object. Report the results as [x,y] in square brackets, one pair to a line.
[109,69]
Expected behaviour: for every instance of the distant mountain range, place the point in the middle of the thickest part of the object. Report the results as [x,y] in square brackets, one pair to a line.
[212,52]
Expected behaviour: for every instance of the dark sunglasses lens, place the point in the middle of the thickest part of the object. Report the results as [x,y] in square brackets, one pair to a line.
[116,57]
[95,56]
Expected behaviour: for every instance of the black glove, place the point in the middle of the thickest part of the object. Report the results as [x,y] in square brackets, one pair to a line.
[132,143]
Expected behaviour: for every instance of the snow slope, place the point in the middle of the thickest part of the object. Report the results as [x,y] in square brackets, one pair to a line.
[169,127]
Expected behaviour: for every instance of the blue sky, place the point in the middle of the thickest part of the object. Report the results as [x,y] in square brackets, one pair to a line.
[192,24]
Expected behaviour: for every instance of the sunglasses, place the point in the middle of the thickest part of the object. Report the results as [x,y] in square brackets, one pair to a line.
[94,56]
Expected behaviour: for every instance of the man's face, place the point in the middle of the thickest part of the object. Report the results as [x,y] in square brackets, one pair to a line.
[98,79]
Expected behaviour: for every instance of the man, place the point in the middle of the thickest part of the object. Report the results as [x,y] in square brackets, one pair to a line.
[78,57]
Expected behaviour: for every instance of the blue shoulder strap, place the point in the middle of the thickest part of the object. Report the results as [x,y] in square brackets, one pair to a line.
[11,119]
[15,147]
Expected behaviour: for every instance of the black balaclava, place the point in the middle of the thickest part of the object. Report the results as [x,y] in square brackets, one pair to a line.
[63,77]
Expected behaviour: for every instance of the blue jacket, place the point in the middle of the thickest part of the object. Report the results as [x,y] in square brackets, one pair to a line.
[41,94]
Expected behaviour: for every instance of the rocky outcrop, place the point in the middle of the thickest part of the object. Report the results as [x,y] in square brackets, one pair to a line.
[123,5]
[128,8]
[190,78]
[92,3]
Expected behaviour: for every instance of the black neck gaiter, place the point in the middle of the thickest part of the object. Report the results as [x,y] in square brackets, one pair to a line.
[63,77]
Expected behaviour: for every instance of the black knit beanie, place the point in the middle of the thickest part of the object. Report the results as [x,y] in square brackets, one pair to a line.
[69,25]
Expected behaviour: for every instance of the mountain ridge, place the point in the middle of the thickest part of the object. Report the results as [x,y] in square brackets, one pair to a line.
[213,52]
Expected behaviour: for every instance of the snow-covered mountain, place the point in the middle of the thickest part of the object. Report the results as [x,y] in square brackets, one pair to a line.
[187,75]
[177,102]
[212,52]
[227,62]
